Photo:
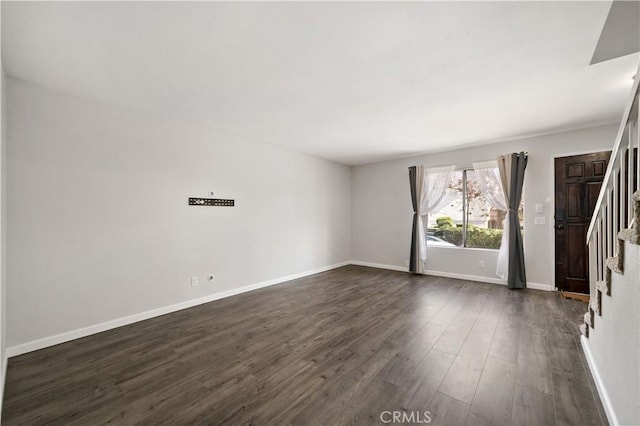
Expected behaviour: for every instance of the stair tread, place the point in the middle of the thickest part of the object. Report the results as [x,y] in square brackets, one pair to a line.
[584,329]
[631,235]
[613,263]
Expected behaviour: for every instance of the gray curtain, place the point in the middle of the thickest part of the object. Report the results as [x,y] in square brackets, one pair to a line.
[414,258]
[512,169]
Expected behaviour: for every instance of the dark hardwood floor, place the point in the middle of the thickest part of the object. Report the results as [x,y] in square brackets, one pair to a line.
[340,347]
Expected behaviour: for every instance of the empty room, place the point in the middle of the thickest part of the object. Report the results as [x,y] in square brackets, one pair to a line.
[320,213]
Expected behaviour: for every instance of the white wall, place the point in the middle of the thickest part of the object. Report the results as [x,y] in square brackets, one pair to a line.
[3,216]
[381,225]
[3,234]
[99,226]
[613,346]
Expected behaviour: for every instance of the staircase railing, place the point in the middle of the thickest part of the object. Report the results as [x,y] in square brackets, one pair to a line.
[614,210]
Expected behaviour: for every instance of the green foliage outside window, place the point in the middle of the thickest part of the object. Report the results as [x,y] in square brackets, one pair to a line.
[476,237]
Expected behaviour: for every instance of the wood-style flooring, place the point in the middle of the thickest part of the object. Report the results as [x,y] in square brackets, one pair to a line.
[341,347]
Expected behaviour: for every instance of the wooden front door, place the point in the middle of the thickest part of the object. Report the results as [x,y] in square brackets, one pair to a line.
[577,185]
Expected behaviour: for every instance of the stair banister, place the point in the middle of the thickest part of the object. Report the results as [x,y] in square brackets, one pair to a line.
[616,152]
[616,216]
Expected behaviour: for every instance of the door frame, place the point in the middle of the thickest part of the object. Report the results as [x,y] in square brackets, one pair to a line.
[552,234]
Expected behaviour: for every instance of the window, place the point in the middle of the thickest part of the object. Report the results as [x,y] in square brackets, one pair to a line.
[468,219]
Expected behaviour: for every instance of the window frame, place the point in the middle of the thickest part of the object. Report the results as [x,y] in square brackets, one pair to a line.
[465,209]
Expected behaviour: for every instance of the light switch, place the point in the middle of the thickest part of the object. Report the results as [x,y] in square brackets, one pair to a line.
[539,208]
[540,220]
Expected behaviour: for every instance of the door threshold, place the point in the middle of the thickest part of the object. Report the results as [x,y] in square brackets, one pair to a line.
[575,296]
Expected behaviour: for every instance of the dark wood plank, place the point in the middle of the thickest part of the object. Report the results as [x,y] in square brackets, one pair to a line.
[463,377]
[416,393]
[532,408]
[506,340]
[444,410]
[570,393]
[494,397]
[534,369]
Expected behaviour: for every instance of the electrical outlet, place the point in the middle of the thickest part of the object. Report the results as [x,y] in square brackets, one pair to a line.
[194,281]
[211,277]
[481,264]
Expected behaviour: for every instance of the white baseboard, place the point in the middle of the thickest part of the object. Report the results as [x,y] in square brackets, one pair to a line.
[543,287]
[380,266]
[602,391]
[4,361]
[465,277]
[534,286]
[119,322]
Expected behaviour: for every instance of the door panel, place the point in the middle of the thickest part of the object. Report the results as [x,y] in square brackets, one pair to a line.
[577,185]
[576,236]
[574,199]
[575,170]
[599,168]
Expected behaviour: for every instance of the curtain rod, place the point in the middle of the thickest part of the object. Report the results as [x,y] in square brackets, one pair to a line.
[467,166]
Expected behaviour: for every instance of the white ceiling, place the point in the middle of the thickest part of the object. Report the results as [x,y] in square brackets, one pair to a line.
[351,82]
